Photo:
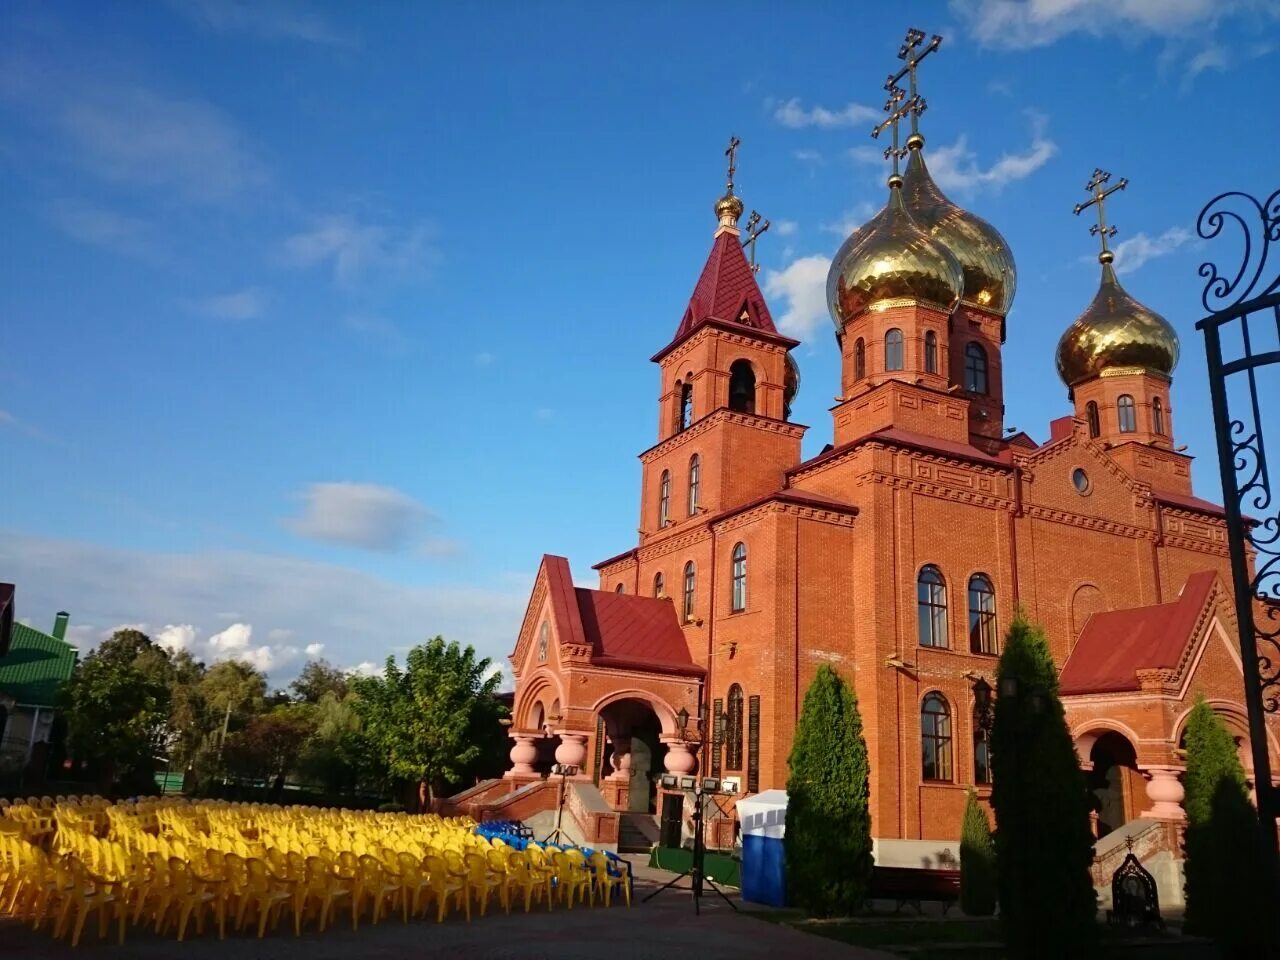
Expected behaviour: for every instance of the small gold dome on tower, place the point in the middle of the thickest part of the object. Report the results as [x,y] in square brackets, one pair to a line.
[890,258]
[729,206]
[1115,333]
[990,276]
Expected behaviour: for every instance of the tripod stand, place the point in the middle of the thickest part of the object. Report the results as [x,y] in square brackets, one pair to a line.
[566,771]
[696,873]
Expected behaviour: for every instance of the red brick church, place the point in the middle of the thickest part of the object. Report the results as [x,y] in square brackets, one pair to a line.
[899,553]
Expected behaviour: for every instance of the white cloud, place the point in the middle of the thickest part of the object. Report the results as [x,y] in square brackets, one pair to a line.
[99,227]
[275,20]
[175,637]
[315,649]
[851,220]
[279,635]
[1134,252]
[786,228]
[126,133]
[366,668]
[803,283]
[358,252]
[247,304]
[1022,24]
[357,616]
[870,155]
[791,114]
[359,514]
[955,167]
[232,640]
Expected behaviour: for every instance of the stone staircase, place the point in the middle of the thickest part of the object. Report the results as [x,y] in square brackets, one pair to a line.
[637,832]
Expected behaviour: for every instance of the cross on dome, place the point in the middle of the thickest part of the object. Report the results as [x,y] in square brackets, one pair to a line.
[1098,198]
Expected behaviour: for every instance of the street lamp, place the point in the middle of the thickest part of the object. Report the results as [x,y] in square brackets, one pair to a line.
[682,723]
[982,702]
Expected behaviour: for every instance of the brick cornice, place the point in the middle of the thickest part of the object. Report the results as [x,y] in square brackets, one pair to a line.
[674,544]
[933,489]
[1088,523]
[716,417]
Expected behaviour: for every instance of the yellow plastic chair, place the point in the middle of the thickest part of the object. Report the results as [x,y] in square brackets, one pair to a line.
[520,877]
[607,882]
[484,881]
[264,893]
[572,877]
[194,894]
[84,893]
[375,884]
[329,888]
[445,884]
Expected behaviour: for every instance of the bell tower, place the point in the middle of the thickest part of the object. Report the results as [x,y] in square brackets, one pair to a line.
[728,380]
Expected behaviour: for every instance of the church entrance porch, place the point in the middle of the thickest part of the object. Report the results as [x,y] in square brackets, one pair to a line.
[1117,787]
[633,756]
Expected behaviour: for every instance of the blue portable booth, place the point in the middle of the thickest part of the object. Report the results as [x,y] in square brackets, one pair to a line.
[764,820]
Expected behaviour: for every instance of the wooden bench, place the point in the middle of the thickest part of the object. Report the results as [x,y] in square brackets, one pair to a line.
[915,885]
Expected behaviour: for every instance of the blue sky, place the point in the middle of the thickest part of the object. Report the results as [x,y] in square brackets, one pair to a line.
[324,321]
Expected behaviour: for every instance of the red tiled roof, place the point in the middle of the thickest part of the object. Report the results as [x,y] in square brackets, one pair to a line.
[726,287]
[918,441]
[1115,645]
[627,630]
[563,608]
[1188,502]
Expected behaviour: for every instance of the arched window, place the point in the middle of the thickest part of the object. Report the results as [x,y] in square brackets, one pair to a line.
[686,404]
[893,349]
[695,482]
[733,729]
[931,604]
[690,584]
[739,602]
[859,359]
[935,737]
[620,588]
[1091,414]
[664,499]
[742,387]
[1157,417]
[982,615]
[659,586]
[930,352]
[1127,414]
[975,368]
[544,638]
[981,750]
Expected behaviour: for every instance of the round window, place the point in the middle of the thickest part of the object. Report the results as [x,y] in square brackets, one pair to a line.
[1080,480]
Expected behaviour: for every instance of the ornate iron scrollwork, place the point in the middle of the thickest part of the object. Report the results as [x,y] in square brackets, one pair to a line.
[1243,307]
[1134,900]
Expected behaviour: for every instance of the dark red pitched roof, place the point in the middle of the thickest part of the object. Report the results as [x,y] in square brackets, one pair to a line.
[1188,502]
[563,608]
[1115,645]
[917,441]
[727,290]
[630,631]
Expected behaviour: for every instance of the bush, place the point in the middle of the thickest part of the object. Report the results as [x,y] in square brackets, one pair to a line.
[391,808]
[1044,845]
[1225,877]
[827,845]
[977,861]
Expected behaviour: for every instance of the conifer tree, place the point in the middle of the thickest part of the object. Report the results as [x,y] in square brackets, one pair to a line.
[827,843]
[1223,871]
[977,861]
[1044,845]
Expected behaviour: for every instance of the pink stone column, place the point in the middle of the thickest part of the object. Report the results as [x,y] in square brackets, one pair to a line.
[572,750]
[621,758]
[1165,791]
[524,754]
[680,758]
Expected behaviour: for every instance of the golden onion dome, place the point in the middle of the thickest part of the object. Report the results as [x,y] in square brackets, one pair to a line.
[729,207]
[990,276]
[889,258]
[1116,333]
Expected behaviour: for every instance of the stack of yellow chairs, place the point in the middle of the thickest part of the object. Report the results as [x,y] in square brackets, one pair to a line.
[172,866]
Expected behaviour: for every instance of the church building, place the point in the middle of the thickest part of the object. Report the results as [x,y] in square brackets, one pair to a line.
[899,554]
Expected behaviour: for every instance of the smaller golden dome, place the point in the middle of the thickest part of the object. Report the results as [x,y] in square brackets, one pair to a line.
[890,258]
[1116,332]
[990,276]
[729,206]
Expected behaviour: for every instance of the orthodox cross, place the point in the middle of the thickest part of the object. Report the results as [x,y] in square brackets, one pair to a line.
[732,153]
[754,229]
[1098,198]
[897,106]
[906,52]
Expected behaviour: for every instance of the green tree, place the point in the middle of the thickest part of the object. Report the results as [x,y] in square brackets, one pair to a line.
[117,706]
[1044,845]
[269,746]
[418,721]
[337,753]
[977,861]
[1224,875]
[317,678]
[827,844]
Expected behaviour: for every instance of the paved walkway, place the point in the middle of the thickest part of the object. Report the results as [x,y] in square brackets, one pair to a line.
[665,927]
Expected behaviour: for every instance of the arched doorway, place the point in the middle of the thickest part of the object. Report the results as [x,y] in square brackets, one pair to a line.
[633,754]
[1114,781]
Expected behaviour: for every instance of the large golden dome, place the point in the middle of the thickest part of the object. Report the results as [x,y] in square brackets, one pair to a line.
[890,258]
[990,276]
[1116,333]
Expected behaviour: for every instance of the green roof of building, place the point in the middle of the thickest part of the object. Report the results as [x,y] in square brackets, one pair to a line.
[37,665]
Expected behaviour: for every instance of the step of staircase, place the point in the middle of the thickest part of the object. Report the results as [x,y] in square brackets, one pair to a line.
[637,832]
